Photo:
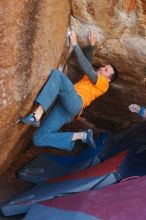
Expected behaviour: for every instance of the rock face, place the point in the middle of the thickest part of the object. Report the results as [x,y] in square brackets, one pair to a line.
[32,36]
[121,35]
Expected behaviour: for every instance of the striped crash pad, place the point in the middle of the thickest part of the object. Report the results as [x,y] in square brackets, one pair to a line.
[47,166]
[122,201]
[95,177]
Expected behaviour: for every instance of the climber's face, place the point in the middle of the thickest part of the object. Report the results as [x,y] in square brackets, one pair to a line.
[107,71]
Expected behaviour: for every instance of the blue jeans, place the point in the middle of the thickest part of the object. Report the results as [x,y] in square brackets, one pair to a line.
[67,107]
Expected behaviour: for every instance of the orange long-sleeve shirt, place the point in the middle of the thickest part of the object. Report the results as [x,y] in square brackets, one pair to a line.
[89,91]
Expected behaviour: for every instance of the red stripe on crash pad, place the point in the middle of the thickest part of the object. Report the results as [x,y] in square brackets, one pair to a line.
[101,169]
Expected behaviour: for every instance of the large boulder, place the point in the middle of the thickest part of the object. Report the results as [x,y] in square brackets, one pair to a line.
[32,35]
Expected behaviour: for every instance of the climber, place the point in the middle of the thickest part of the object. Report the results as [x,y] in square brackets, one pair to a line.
[140,110]
[72,99]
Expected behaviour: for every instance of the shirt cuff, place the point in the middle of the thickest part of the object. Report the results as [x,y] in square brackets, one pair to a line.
[141,112]
[75,45]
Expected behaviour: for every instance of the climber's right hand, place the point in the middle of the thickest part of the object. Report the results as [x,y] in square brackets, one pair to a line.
[134,108]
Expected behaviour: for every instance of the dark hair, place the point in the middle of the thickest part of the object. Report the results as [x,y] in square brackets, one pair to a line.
[115,75]
[96,67]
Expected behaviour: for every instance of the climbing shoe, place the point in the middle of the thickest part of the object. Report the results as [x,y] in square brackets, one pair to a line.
[30,120]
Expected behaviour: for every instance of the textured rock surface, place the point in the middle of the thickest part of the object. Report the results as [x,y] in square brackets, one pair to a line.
[32,35]
[121,35]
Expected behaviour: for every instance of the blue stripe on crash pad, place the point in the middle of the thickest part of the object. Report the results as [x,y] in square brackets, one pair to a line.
[41,212]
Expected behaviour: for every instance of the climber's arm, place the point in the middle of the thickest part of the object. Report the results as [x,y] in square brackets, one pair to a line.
[141,110]
[88,50]
[82,60]
[88,53]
